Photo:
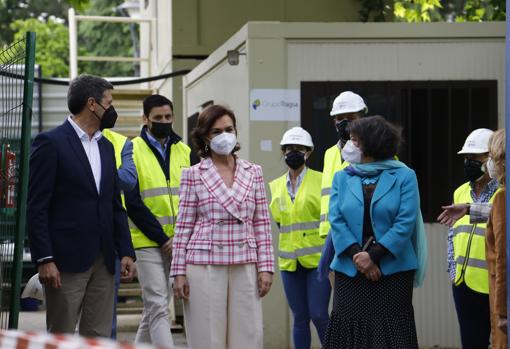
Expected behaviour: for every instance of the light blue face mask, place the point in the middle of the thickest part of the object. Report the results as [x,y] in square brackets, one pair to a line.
[351,153]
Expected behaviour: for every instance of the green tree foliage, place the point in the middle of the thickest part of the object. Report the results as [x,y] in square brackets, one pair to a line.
[105,39]
[48,18]
[12,10]
[435,10]
[52,46]
[417,10]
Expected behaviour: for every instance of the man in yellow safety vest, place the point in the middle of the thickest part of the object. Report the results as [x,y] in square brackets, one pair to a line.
[159,156]
[347,106]
[466,245]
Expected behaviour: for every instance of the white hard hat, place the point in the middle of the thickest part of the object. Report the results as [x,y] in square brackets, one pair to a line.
[348,102]
[33,289]
[477,142]
[297,135]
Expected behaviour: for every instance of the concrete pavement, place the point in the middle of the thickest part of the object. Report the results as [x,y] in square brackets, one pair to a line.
[126,326]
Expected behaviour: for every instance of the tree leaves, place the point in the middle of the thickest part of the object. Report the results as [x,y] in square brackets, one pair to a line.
[449,10]
[52,45]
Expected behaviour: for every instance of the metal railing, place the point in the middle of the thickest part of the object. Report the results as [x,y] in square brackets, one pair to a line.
[73,41]
[15,125]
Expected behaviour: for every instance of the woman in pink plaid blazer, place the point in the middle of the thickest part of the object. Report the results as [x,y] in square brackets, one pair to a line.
[222,249]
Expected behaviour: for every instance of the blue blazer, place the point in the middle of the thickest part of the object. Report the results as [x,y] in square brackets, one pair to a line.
[393,211]
[66,217]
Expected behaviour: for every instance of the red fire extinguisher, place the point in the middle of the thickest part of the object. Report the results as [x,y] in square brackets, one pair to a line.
[7,177]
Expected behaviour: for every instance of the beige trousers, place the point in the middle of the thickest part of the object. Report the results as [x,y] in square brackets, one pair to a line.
[90,293]
[224,309]
[153,274]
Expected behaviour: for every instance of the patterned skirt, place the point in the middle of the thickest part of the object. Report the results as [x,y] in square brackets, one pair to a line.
[372,315]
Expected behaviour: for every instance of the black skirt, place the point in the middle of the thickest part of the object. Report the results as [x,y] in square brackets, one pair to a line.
[372,315]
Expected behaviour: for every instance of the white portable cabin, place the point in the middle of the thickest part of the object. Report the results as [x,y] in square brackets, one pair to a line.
[438,80]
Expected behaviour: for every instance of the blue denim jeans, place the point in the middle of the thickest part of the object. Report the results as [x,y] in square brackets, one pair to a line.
[308,300]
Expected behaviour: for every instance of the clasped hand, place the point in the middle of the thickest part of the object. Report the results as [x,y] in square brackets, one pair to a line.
[366,266]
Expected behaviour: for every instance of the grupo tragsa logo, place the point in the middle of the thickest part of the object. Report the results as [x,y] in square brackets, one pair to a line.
[256,104]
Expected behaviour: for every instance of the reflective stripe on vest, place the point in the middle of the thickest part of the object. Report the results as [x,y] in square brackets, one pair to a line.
[472,262]
[118,141]
[299,226]
[306,251]
[464,228]
[299,239]
[162,220]
[158,194]
[159,191]
[332,163]
[469,247]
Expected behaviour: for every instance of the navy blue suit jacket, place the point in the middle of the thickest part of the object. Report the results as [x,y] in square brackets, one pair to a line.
[66,217]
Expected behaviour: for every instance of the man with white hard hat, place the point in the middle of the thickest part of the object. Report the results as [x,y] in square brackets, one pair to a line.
[295,207]
[347,106]
[466,245]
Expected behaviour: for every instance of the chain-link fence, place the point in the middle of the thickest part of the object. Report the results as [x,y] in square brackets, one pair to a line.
[16,61]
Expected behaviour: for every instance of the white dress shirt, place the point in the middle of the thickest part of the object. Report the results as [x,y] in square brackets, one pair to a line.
[91,149]
[299,180]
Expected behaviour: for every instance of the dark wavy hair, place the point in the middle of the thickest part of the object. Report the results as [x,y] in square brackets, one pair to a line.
[377,137]
[206,120]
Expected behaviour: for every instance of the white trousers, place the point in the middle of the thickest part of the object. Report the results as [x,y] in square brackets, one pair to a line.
[153,274]
[224,309]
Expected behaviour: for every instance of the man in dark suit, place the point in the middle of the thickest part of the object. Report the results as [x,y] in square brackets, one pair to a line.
[76,223]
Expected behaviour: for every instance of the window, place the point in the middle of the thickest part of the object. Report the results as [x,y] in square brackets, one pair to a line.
[436,117]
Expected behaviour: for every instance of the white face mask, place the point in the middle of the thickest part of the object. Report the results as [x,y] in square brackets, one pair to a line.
[224,143]
[351,153]
[491,169]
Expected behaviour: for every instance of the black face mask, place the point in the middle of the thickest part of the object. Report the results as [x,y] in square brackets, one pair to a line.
[341,130]
[161,129]
[473,169]
[108,119]
[295,159]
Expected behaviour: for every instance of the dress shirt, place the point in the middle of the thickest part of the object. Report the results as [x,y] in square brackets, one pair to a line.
[127,171]
[91,149]
[299,180]
[479,212]
[155,143]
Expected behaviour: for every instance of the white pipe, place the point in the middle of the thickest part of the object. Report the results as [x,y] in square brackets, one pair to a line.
[113,19]
[73,45]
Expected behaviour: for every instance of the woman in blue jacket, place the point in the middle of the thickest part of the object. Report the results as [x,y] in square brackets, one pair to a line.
[373,213]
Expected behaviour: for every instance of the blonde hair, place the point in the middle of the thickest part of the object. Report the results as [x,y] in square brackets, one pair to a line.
[497,153]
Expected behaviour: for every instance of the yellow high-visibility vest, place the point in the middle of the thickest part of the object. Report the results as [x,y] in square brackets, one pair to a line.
[299,239]
[118,142]
[160,195]
[333,163]
[469,246]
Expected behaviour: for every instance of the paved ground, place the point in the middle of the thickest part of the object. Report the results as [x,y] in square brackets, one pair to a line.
[127,325]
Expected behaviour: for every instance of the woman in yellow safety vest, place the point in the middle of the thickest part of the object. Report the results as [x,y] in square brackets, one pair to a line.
[295,206]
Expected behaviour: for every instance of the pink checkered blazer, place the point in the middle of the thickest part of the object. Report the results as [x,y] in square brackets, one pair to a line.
[222,226]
